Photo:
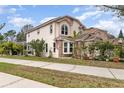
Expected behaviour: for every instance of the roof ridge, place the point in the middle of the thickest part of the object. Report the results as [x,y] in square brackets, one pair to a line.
[52,20]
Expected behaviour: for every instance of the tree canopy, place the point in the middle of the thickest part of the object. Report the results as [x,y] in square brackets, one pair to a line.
[38,45]
[120,34]
[10,35]
[117,9]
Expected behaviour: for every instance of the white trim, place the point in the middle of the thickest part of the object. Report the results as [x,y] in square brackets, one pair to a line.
[68,47]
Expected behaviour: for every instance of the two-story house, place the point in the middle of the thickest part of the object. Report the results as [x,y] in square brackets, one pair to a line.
[57,34]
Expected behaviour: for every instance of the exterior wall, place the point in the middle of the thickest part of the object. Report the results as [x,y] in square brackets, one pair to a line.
[49,38]
[75,27]
[71,27]
[44,33]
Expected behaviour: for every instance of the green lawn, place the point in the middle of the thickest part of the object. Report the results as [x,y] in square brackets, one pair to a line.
[71,61]
[59,78]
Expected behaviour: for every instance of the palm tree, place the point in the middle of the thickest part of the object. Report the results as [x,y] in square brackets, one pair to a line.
[75,47]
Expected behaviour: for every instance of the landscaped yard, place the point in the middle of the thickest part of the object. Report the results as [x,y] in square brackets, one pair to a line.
[71,61]
[58,78]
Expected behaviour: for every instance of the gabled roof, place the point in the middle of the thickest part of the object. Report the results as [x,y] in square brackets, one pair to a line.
[117,41]
[54,20]
[94,34]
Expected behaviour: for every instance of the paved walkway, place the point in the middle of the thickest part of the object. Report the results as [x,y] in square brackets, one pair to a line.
[11,81]
[89,70]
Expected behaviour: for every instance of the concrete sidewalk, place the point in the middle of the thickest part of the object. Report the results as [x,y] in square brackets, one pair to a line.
[89,70]
[11,81]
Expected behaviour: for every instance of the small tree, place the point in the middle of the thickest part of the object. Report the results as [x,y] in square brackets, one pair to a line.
[75,47]
[17,48]
[120,34]
[1,50]
[38,45]
[8,47]
[105,48]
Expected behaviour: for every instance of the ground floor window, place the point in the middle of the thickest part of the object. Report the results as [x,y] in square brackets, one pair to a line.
[54,47]
[46,47]
[71,47]
[65,47]
[68,47]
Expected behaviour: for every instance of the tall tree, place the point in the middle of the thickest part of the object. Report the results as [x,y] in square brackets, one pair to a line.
[2,25]
[120,34]
[10,35]
[21,36]
[117,9]
[26,27]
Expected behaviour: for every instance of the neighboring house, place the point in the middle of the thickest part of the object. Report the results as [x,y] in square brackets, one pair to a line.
[57,34]
[117,41]
[90,36]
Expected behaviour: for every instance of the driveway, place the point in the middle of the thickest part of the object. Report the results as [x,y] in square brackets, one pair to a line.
[89,70]
[11,81]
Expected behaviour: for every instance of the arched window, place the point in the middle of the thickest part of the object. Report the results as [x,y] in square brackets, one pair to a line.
[64,30]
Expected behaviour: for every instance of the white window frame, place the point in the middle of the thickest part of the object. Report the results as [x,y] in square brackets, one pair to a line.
[68,47]
[65,29]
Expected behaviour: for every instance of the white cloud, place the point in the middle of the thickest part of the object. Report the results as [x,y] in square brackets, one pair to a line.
[89,14]
[19,21]
[75,10]
[89,8]
[6,9]
[12,10]
[2,9]
[112,25]
[46,19]
[21,7]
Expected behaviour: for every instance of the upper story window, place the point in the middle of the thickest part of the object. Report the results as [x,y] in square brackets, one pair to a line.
[51,28]
[38,32]
[64,30]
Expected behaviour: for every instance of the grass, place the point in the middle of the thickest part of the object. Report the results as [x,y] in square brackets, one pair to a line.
[71,61]
[59,78]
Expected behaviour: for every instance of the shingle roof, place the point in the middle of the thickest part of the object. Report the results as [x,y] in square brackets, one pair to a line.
[93,34]
[117,41]
[53,20]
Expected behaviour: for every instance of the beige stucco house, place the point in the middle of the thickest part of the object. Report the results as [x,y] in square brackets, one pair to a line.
[57,34]
[88,37]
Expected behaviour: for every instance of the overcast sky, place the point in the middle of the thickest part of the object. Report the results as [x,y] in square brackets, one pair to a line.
[91,16]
